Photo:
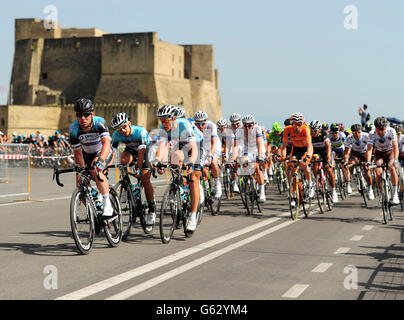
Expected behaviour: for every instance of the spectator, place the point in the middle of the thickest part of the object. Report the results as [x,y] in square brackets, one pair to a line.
[364,114]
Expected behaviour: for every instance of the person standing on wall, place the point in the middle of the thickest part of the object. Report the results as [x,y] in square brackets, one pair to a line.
[364,114]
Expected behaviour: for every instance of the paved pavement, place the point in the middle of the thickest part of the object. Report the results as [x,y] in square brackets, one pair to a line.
[344,254]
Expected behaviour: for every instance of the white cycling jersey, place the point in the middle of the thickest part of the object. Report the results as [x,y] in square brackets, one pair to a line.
[210,132]
[248,142]
[385,143]
[360,145]
[401,144]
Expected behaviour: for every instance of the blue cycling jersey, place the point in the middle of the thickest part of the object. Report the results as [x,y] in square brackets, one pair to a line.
[89,141]
[137,140]
[185,132]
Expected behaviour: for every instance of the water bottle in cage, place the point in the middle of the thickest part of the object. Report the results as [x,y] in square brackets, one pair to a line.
[136,189]
[97,199]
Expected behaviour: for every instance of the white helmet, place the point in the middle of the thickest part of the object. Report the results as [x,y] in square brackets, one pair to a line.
[296,117]
[180,112]
[118,120]
[201,116]
[166,111]
[315,124]
[248,119]
[222,123]
[235,117]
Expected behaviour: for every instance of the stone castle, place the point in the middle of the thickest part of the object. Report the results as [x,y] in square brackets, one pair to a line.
[129,72]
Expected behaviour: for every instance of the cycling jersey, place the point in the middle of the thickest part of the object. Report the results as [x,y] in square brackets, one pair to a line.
[401,144]
[139,138]
[275,140]
[89,141]
[299,139]
[185,132]
[361,145]
[383,144]
[210,132]
[319,142]
[337,142]
[248,142]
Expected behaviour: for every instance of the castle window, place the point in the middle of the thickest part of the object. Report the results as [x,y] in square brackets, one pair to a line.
[3,122]
[44,76]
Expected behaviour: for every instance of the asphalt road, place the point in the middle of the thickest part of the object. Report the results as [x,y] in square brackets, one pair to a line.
[344,254]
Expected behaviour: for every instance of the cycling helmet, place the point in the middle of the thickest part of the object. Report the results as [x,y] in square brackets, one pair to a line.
[118,120]
[334,127]
[180,112]
[235,117]
[297,117]
[315,124]
[200,116]
[325,126]
[166,111]
[356,127]
[287,122]
[341,127]
[222,123]
[381,123]
[399,128]
[277,127]
[248,119]
[368,127]
[84,105]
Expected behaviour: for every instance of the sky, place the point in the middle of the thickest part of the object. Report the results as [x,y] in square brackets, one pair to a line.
[324,59]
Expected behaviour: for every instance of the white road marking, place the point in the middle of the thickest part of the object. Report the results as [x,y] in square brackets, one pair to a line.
[322,267]
[342,250]
[295,291]
[356,237]
[105,284]
[179,270]
[367,227]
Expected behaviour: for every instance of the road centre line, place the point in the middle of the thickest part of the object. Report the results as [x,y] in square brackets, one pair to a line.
[342,250]
[322,267]
[357,237]
[295,291]
[179,270]
[115,280]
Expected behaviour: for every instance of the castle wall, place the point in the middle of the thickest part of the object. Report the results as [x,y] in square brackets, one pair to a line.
[34,29]
[72,65]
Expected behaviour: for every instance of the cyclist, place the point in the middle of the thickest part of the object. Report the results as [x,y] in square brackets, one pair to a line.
[137,142]
[180,134]
[368,127]
[235,123]
[356,149]
[211,148]
[302,147]
[322,149]
[384,141]
[249,139]
[275,140]
[91,145]
[337,139]
[326,128]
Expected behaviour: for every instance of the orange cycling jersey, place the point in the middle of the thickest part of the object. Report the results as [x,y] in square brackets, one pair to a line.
[299,139]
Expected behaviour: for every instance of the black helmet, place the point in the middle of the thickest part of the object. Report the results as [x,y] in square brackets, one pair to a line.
[334,127]
[356,127]
[84,105]
[381,123]
[368,127]
[287,122]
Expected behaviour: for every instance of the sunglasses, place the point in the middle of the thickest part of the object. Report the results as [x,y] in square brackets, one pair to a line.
[235,123]
[200,123]
[165,120]
[85,114]
[248,125]
[297,124]
[123,127]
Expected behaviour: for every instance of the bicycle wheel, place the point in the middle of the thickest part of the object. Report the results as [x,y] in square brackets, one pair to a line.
[126,209]
[168,213]
[294,209]
[385,202]
[320,191]
[250,195]
[306,200]
[141,212]
[328,193]
[226,185]
[363,189]
[214,202]
[339,177]
[199,214]
[82,213]
[113,226]
[242,188]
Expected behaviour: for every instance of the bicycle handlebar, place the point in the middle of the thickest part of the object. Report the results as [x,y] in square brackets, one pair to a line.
[76,168]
